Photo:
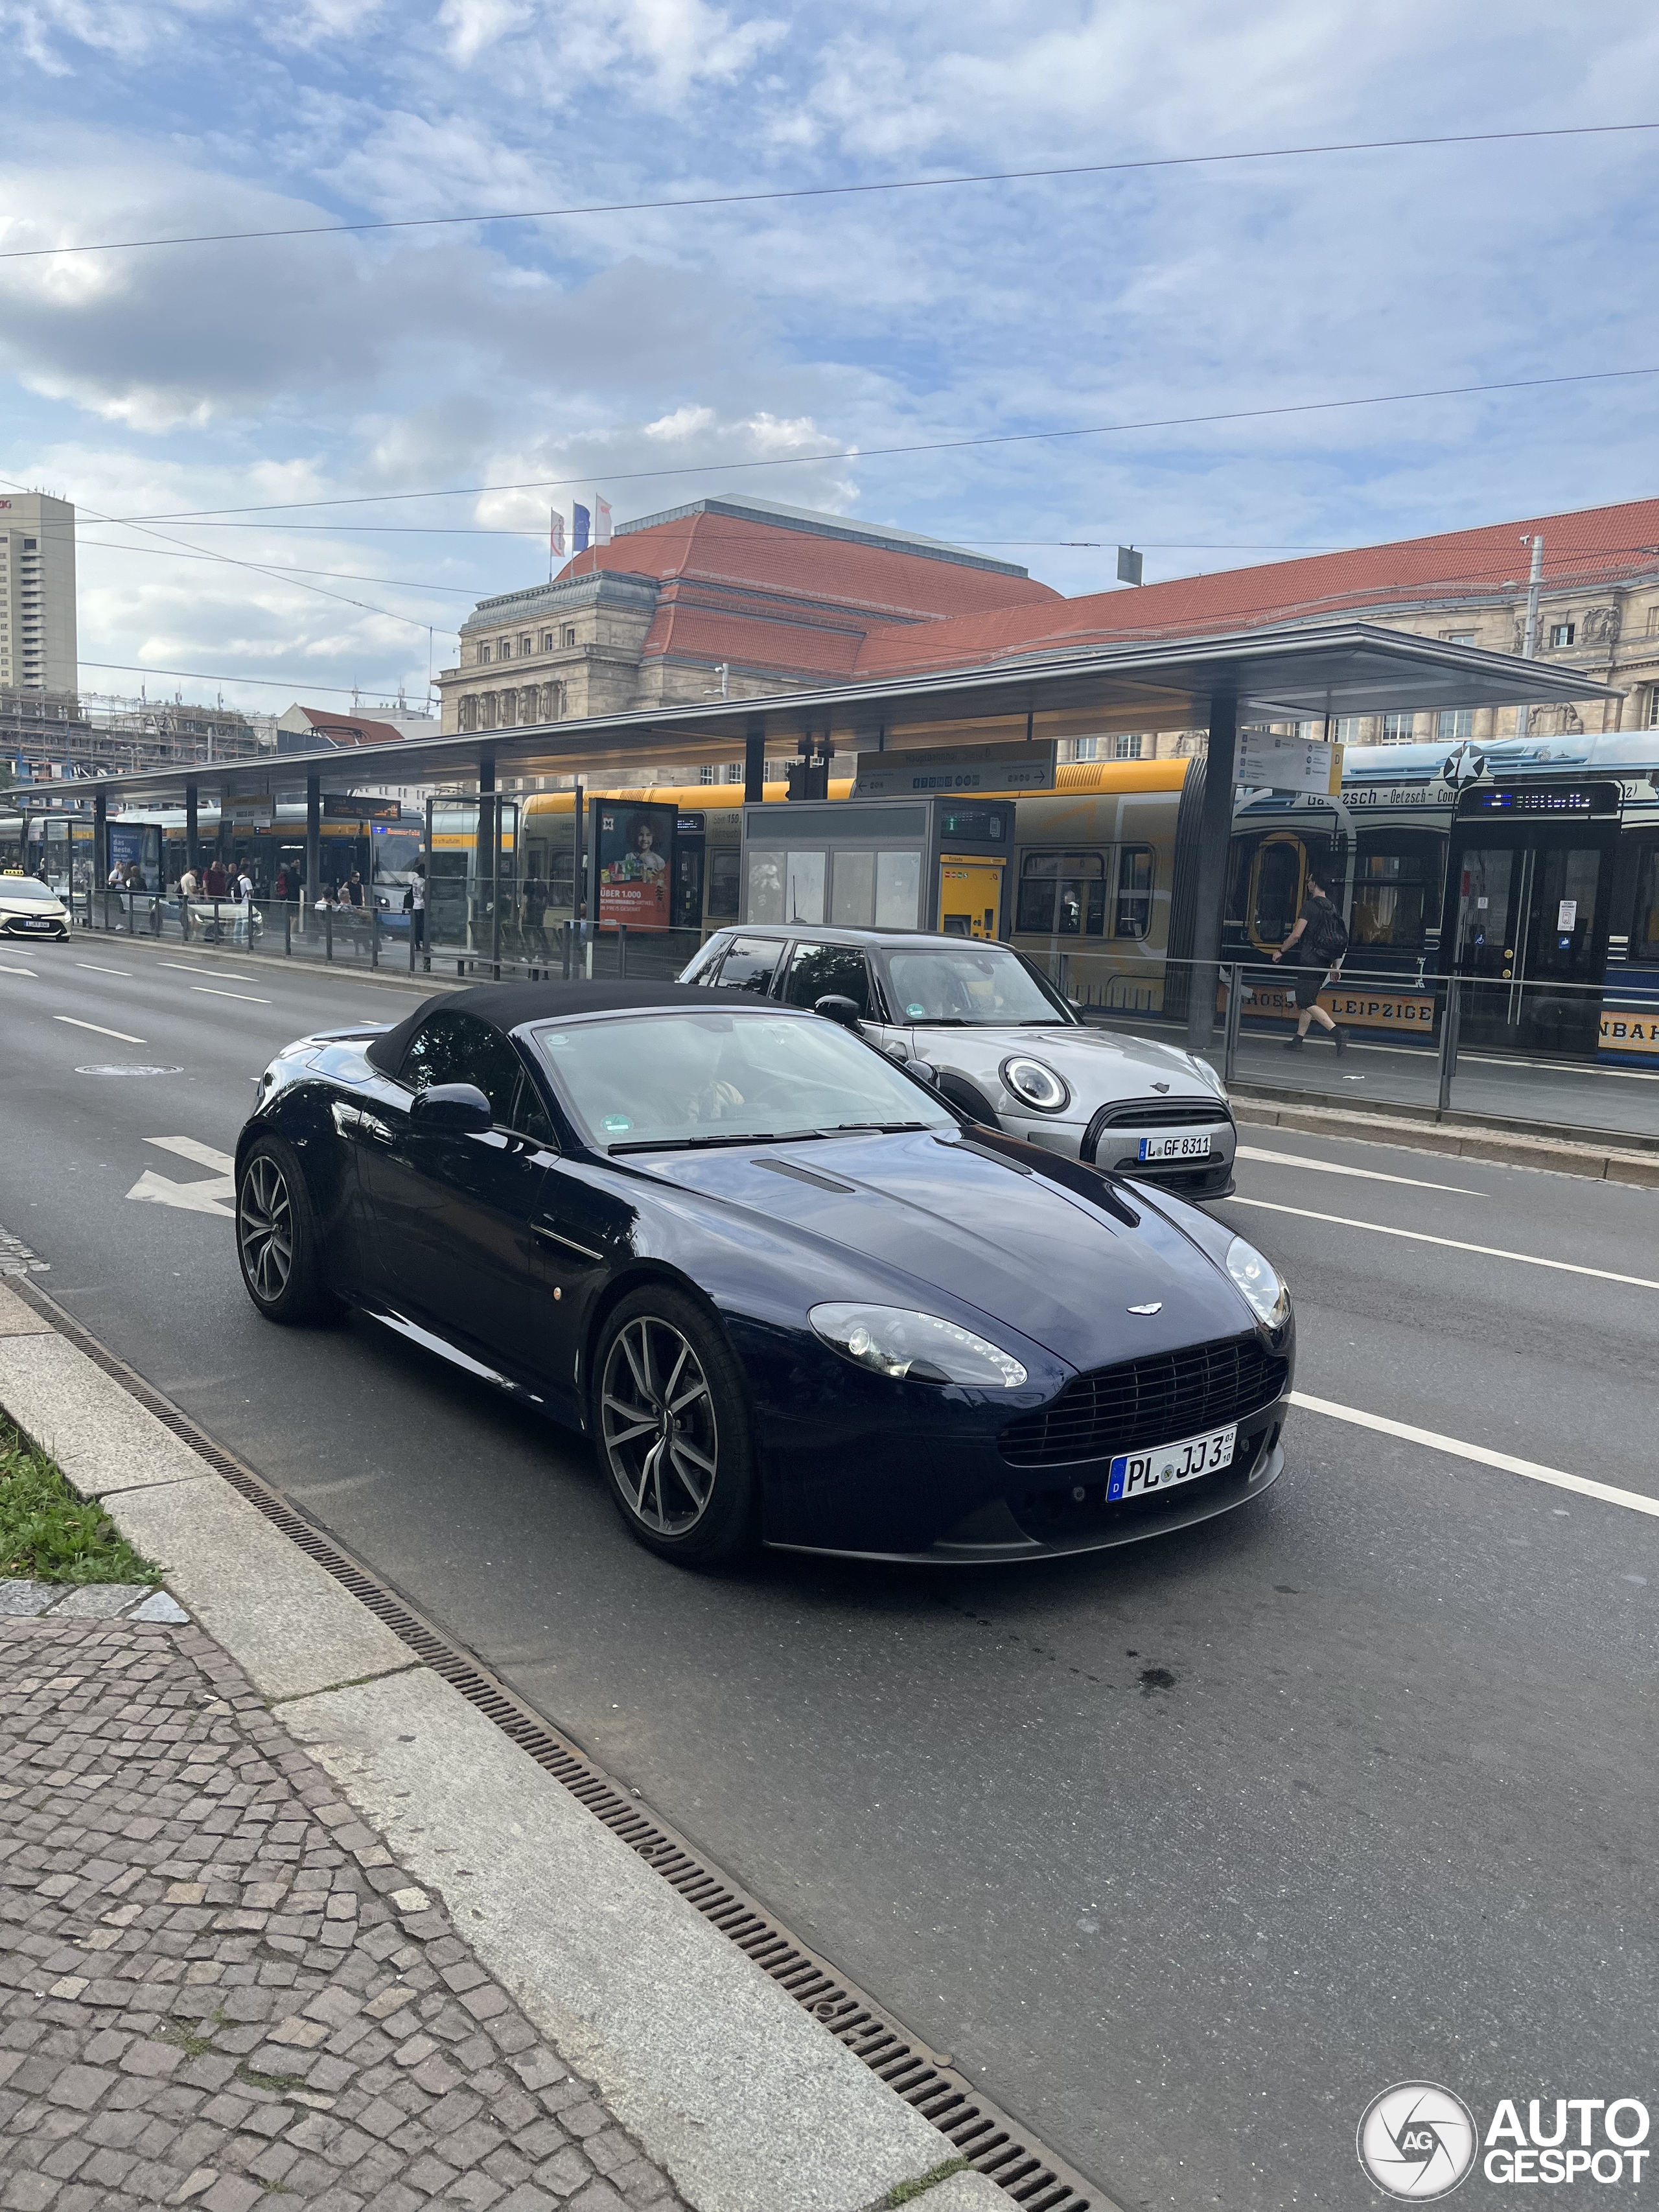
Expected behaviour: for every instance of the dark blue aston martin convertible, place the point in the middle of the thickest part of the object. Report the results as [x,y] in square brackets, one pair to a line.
[792,1295]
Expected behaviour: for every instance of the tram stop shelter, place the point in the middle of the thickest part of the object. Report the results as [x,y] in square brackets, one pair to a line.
[1313,673]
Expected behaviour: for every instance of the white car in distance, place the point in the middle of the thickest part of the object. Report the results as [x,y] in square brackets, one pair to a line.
[1003,1044]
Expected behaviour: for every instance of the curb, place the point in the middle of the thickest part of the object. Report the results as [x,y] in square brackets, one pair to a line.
[1462,1140]
[726,2082]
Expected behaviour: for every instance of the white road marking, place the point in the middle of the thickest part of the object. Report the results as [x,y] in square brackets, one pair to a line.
[1451,1244]
[100,1029]
[216,1195]
[247,995]
[97,970]
[187,1148]
[1632,1499]
[190,968]
[1333,1167]
[208,1197]
[33,974]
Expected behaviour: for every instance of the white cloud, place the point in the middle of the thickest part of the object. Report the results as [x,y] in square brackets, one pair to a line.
[596,348]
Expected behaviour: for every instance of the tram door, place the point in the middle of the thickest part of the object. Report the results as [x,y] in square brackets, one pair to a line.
[1526,900]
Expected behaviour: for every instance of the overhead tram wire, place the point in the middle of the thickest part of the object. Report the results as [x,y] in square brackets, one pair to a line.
[880,453]
[840,191]
[254,568]
[296,684]
[274,568]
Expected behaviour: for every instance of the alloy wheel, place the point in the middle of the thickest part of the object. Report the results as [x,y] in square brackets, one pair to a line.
[265,1228]
[657,1419]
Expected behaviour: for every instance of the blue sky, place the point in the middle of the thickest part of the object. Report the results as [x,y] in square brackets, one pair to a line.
[597,347]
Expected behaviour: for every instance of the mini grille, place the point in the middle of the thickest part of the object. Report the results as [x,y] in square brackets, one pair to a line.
[1162,1114]
[1155,1401]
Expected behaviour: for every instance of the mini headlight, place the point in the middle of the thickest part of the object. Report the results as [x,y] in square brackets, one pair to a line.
[1209,1073]
[1261,1282]
[893,1341]
[1036,1085]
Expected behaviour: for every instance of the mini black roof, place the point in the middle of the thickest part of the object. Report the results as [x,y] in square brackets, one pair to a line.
[509,1006]
[827,932]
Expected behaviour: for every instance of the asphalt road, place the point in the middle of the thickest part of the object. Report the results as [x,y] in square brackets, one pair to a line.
[1184,1852]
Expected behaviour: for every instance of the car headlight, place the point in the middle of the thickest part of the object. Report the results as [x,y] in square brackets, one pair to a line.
[1208,1073]
[1261,1282]
[1035,1084]
[891,1341]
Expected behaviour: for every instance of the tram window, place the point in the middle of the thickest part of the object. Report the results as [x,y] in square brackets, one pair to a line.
[1391,894]
[818,971]
[1277,891]
[454,1048]
[1134,892]
[723,880]
[1645,923]
[1062,894]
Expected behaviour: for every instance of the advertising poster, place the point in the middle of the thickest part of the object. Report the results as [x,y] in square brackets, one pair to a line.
[635,846]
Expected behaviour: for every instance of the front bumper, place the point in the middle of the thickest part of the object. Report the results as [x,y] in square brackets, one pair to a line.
[857,1467]
[14,927]
[997,1536]
[1117,1149]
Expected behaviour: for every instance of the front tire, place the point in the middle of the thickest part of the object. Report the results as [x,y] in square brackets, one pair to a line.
[673,1430]
[276,1241]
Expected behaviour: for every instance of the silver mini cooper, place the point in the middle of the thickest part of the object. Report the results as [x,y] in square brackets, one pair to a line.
[1005,1046]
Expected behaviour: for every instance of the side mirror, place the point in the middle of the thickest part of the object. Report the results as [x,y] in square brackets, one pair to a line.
[835,1008]
[922,1071]
[452,1110]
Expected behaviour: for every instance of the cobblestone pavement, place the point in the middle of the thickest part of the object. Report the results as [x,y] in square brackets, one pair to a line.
[215,1988]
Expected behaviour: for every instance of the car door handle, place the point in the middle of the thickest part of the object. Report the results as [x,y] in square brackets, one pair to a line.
[557,1236]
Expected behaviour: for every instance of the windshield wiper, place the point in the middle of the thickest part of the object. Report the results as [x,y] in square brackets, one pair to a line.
[703,1144]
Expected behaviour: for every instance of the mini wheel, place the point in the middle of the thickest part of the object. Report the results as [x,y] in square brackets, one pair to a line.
[276,1240]
[672,1427]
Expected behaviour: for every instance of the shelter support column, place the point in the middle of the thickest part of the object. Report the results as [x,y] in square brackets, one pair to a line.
[487,858]
[754,768]
[99,846]
[314,848]
[1214,837]
[192,826]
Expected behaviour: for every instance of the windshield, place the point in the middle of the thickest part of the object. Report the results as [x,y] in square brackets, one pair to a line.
[978,984]
[26,889]
[687,1078]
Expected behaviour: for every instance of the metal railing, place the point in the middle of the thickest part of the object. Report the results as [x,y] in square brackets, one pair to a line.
[1536,1052]
[1533,1051]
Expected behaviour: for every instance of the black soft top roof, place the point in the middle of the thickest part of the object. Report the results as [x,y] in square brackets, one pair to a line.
[507,1006]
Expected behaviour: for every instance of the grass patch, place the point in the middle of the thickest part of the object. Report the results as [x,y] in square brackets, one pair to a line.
[907,2191]
[47,1535]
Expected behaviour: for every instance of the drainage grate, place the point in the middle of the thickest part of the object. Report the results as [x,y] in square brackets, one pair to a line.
[993,2144]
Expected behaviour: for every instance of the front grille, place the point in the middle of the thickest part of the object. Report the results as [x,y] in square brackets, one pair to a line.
[1163,1114]
[1152,1114]
[1156,1401]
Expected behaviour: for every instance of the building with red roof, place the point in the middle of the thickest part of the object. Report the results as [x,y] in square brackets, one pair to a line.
[720,597]
[740,597]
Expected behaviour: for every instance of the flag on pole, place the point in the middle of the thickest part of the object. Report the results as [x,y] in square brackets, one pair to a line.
[601,520]
[580,520]
[556,534]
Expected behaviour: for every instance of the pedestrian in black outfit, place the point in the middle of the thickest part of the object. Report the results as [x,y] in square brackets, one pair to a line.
[1316,949]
